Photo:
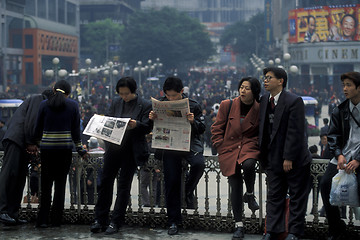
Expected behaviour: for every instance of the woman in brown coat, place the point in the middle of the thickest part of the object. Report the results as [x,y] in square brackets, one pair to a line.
[235,136]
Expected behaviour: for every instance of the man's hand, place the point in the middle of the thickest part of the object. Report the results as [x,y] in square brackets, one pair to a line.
[341,162]
[132,124]
[152,115]
[287,165]
[190,117]
[352,166]
[32,149]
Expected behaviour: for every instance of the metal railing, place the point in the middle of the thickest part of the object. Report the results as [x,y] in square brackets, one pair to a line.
[212,210]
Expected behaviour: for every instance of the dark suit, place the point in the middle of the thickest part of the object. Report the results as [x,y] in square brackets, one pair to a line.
[285,140]
[133,151]
[15,162]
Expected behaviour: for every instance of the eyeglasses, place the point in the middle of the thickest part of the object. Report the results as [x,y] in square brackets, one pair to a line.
[267,78]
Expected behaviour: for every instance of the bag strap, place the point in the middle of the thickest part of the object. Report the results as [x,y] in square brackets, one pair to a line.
[357,122]
[228,115]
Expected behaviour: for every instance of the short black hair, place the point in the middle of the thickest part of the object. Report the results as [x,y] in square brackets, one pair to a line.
[313,149]
[353,76]
[325,120]
[128,82]
[173,83]
[255,86]
[278,72]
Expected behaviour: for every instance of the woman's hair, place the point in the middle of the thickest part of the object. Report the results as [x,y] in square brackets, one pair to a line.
[255,86]
[128,82]
[61,89]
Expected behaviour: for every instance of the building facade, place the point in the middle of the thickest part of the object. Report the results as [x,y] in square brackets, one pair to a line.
[323,59]
[33,32]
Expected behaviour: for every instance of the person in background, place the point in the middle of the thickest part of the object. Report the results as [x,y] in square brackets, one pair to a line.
[57,129]
[132,152]
[172,160]
[235,135]
[343,139]
[311,35]
[324,130]
[91,180]
[149,177]
[18,149]
[284,155]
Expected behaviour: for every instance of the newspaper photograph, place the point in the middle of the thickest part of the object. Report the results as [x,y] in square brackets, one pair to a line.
[110,129]
[171,131]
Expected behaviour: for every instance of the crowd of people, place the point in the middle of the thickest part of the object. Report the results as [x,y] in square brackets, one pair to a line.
[243,125]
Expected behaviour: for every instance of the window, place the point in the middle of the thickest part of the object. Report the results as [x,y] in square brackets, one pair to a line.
[28,41]
[71,14]
[51,10]
[42,8]
[61,11]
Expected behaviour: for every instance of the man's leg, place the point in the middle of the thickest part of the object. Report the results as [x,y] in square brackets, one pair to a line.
[12,179]
[197,166]
[275,204]
[298,181]
[336,225]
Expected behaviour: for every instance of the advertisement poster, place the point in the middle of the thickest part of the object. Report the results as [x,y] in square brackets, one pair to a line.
[324,24]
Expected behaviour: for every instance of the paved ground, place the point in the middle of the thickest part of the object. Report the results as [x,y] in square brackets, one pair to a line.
[68,232]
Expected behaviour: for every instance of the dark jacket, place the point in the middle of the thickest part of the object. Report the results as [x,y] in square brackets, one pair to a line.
[22,125]
[197,128]
[288,140]
[339,130]
[143,126]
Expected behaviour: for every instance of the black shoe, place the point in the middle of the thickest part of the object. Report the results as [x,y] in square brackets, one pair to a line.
[6,219]
[250,200]
[173,229]
[238,234]
[269,236]
[112,228]
[21,221]
[97,227]
[291,236]
[43,225]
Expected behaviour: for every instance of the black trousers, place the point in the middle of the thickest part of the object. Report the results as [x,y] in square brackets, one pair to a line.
[12,178]
[295,182]
[172,161]
[236,185]
[55,165]
[115,158]
[336,225]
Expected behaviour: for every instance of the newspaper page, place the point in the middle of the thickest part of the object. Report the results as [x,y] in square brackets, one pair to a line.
[110,129]
[172,130]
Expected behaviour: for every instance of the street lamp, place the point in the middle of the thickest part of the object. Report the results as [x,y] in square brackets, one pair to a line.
[62,73]
[56,61]
[88,63]
[277,61]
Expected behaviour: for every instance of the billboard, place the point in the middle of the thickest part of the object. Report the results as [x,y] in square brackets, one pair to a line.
[324,24]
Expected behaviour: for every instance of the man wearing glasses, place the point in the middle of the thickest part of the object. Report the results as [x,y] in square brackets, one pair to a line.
[284,155]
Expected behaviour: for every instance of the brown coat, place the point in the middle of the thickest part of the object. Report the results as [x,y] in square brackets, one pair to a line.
[241,139]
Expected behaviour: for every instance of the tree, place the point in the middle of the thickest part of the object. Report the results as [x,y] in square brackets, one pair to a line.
[172,36]
[244,38]
[98,36]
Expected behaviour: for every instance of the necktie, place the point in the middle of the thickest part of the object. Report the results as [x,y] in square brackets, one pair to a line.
[272,102]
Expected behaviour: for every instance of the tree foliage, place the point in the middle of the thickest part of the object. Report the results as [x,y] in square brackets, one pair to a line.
[243,37]
[172,36]
[99,35]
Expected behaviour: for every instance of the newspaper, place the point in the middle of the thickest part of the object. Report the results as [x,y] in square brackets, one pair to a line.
[110,129]
[172,130]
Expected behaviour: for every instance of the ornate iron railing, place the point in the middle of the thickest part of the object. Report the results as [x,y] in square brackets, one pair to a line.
[212,206]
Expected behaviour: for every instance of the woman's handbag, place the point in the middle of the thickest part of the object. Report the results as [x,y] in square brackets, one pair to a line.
[344,190]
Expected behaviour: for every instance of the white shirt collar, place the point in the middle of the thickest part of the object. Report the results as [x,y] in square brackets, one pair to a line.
[276,98]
